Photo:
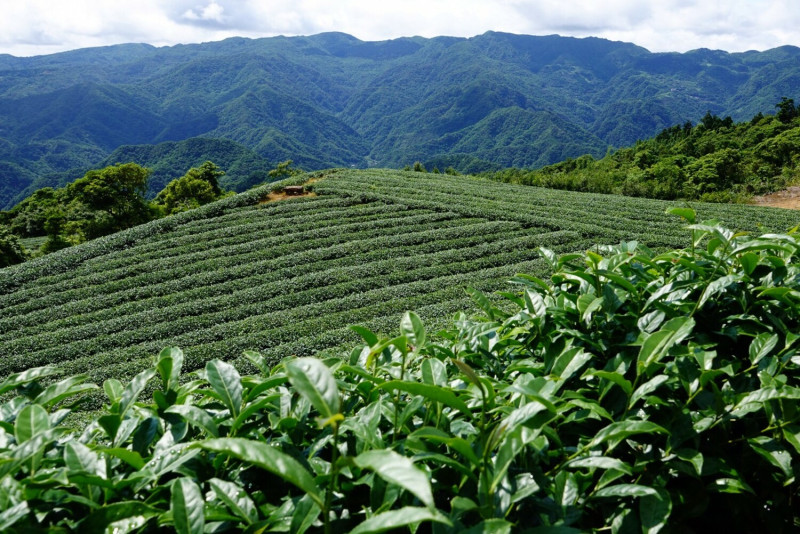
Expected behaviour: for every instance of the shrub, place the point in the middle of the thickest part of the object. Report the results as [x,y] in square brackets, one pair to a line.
[633,392]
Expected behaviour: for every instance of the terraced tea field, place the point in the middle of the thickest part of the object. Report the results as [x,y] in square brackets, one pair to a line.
[289,277]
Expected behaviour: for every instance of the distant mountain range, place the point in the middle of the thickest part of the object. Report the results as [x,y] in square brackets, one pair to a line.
[332,100]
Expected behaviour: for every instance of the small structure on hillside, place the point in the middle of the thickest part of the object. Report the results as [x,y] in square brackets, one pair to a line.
[294,190]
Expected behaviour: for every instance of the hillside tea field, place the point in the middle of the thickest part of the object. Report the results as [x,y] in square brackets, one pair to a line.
[289,278]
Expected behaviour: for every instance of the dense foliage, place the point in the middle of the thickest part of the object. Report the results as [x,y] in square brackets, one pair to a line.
[332,100]
[633,391]
[287,277]
[714,161]
[199,186]
[104,201]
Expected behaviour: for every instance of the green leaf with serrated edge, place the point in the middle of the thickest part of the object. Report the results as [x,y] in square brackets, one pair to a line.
[170,459]
[18,379]
[772,451]
[113,390]
[226,382]
[133,389]
[686,213]
[102,517]
[434,393]
[196,416]
[395,519]
[625,490]
[614,377]
[569,362]
[623,429]
[13,514]
[647,388]
[55,393]
[411,326]
[717,286]
[169,363]
[468,371]
[361,373]
[692,456]
[262,385]
[32,420]
[366,334]
[433,372]
[305,514]
[459,445]
[565,489]
[235,498]
[314,381]
[482,302]
[186,506]
[534,304]
[127,525]
[510,447]
[618,280]
[250,410]
[132,458]
[731,485]
[749,262]
[654,511]
[600,462]
[761,345]
[80,459]
[491,526]
[657,344]
[397,469]
[268,458]
[258,361]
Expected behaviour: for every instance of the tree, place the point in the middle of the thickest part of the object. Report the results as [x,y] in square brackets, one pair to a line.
[118,191]
[11,250]
[197,187]
[787,111]
[283,170]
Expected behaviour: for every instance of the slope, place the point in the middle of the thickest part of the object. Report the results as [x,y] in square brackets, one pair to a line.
[333,100]
[289,277]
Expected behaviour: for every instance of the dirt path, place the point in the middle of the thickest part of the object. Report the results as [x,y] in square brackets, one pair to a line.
[788,198]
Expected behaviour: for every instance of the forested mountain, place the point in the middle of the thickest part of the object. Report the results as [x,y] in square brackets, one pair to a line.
[333,100]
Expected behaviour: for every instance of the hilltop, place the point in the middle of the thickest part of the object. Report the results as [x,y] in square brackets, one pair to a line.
[332,100]
[289,277]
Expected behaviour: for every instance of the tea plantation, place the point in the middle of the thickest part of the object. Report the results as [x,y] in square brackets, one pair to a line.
[288,278]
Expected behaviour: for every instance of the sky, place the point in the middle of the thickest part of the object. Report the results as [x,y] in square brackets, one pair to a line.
[36,27]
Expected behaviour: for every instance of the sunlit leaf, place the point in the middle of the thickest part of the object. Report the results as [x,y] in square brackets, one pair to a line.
[268,458]
[395,519]
[314,380]
[186,506]
[397,469]
[227,383]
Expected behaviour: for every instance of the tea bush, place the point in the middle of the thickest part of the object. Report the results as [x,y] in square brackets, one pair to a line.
[632,392]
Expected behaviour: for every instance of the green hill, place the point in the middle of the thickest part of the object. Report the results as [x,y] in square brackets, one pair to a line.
[333,100]
[716,160]
[289,277]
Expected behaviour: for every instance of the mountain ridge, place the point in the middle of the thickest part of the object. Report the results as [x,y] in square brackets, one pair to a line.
[332,100]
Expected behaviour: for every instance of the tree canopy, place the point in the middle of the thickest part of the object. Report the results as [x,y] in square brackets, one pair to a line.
[200,185]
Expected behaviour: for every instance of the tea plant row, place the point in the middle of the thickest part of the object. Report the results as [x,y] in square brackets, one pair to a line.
[288,277]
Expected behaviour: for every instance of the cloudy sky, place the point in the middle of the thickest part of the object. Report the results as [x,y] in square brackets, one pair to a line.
[34,27]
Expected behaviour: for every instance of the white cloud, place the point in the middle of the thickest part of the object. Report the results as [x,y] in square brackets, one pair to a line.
[44,26]
[211,12]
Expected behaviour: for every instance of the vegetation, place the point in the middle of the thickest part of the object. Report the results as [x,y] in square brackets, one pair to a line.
[104,201]
[492,101]
[199,186]
[715,161]
[633,391]
[287,277]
